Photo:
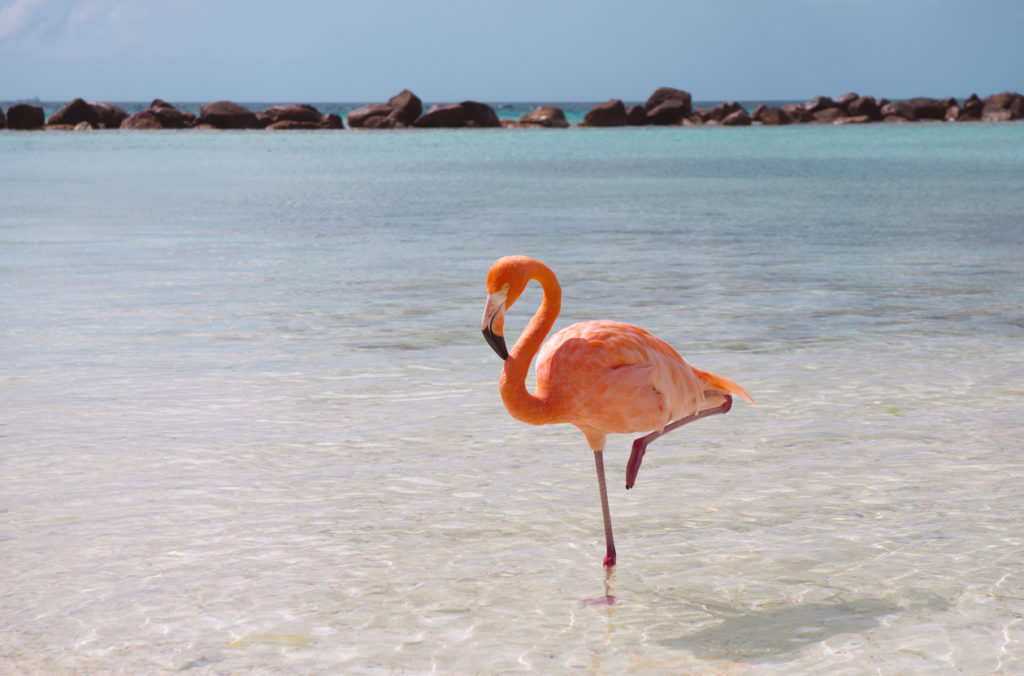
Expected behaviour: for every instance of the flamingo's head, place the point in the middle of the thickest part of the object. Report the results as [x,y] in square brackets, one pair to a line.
[505,283]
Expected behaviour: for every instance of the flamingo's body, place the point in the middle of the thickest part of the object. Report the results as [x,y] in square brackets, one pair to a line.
[601,376]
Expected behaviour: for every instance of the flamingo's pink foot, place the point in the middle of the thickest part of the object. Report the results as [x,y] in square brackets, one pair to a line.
[636,457]
[609,559]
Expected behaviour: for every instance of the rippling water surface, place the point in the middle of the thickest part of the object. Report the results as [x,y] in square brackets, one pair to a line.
[248,422]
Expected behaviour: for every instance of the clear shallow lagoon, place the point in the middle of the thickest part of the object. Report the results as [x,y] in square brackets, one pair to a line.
[249,424]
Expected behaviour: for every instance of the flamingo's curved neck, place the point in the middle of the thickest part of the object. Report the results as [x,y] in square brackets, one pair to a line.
[520,402]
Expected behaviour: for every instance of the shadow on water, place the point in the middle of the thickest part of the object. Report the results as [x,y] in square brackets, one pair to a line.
[773,635]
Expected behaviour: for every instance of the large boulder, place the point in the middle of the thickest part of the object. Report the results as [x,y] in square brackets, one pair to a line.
[864,106]
[636,116]
[401,110]
[737,118]
[795,112]
[670,111]
[663,94]
[294,113]
[144,119]
[227,115]
[828,115]
[545,116]
[74,112]
[441,115]
[724,110]
[845,100]
[465,114]
[918,108]
[25,116]
[971,109]
[608,114]
[770,115]
[3,119]
[818,103]
[1011,102]
[108,115]
[170,117]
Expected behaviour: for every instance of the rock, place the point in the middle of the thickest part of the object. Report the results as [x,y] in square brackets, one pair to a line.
[664,94]
[995,113]
[406,107]
[608,114]
[442,115]
[636,116]
[671,111]
[845,100]
[702,114]
[108,115]
[3,119]
[25,116]
[971,110]
[1010,101]
[480,114]
[724,110]
[362,116]
[737,118]
[545,116]
[74,112]
[828,115]
[854,119]
[83,126]
[919,108]
[331,121]
[293,124]
[401,110]
[293,113]
[864,105]
[770,115]
[818,103]
[170,117]
[795,112]
[144,119]
[952,113]
[227,115]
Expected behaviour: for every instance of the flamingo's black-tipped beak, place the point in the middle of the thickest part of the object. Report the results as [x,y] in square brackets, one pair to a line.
[493,323]
[496,341]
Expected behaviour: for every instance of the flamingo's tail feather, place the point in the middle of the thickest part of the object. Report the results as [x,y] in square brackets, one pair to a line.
[723,384]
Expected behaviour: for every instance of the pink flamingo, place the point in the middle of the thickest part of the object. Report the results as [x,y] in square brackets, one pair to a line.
[601,376]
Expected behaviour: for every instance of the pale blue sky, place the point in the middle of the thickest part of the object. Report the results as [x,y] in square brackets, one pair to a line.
[506,50]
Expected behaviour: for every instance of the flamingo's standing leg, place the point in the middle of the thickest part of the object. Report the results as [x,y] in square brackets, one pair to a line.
[609,559]
[636,456]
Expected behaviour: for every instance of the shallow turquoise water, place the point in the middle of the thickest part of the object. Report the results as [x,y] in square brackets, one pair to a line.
[249,422]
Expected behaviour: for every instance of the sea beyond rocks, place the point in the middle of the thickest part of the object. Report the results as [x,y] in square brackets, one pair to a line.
[666,106]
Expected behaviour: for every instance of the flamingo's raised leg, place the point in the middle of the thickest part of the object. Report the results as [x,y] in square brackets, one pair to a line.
[636,456]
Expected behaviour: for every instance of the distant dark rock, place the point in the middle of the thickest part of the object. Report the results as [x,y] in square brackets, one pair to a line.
[737,118]
[770,115]
[636,116]
[971,109]
[480,114]
[918,108]
[795,112]
[170,117]
[670,111]
[545,116]
[144,119]
[724,110]
[74,112]
[608,114]
[1012,102]
[864,106]
[108,115]
[828,115]
[441,115]
[400,111]
[227,115]
[465,114]
[331,121]
[3,119]
[663,94]
[845,100]
[293,113]
[818,103]
[25,116]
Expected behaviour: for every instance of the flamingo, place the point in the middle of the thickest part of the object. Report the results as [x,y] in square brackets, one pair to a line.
[601,376]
